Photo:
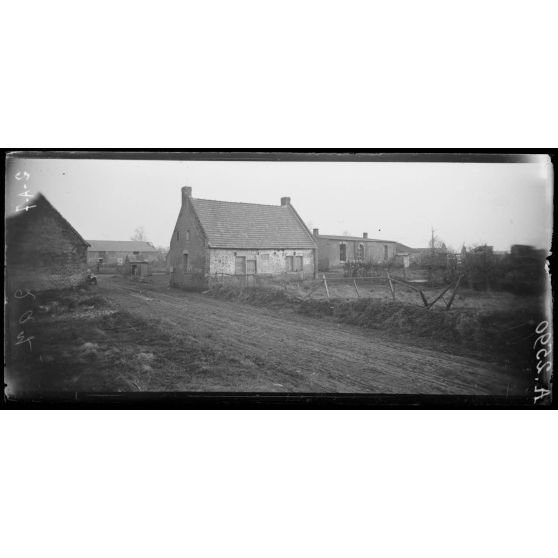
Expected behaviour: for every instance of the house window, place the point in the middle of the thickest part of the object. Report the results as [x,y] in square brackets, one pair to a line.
[386,252]
[135,253]
[185,256]
[360,252]
[240,265]
[343,252]
[187,236]
[290,263]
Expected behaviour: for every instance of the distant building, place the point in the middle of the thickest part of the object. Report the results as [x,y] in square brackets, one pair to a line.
[224,239]
[43,251]
[114,252]
[136,268]
[415,255]
[334,251]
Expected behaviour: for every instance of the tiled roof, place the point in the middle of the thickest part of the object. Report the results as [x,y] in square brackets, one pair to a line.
[248,225]
[120,246]
[352,238]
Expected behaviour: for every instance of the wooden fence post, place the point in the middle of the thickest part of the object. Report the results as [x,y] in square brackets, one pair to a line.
[448,305]
[325,283]
[439,297]
[391,286]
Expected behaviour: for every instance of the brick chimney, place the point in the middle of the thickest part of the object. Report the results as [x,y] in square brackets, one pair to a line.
[285,201]
[364,235]
[316,232]
[186,193]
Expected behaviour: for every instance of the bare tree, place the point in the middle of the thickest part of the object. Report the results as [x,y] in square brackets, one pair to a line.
[139,234]
[436,244]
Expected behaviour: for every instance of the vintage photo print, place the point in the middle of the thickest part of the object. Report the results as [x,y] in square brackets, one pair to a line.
[373,279]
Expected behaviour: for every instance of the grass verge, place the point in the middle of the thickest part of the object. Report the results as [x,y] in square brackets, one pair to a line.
[503,335]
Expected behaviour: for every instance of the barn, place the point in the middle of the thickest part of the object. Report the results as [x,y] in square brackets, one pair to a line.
[335,250]
[43,251]
[112,253]
[218,239]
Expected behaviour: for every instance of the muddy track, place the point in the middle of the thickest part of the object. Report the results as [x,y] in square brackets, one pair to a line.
[300,353]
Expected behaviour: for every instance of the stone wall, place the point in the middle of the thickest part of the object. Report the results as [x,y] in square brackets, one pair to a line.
[268,262]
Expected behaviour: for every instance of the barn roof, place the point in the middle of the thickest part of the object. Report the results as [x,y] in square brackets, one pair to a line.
[352,238]
[249,225]
[40,201]
[120,246]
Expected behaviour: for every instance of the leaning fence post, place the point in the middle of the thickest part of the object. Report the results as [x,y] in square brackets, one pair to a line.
[325,283]
[448,305]
[439,297]
[391,286]
[356,288]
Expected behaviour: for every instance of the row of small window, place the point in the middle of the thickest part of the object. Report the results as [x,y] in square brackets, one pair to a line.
[244,266]
[360,252]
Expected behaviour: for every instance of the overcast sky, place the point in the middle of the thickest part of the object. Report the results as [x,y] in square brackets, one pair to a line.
[497,204]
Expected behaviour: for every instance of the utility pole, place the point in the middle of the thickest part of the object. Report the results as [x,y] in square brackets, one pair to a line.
[432,255]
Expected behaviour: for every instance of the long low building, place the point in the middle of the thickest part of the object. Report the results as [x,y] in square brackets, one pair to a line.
[334,251]
[114,252]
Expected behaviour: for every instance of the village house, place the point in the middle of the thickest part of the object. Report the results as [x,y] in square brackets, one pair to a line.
[334,251]
[111,253]
[43,251]
[218,239]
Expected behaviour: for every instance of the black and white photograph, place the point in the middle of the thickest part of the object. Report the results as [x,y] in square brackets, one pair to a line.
[279,279]
[405,277]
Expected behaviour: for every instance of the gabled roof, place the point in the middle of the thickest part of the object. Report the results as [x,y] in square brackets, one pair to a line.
[352,238]
[120,246]
[251,226]
[42,202]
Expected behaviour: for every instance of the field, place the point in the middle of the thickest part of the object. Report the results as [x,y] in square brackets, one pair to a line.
[125,336]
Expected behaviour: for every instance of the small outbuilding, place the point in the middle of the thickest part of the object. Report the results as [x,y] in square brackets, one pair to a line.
[136,268]
[43,251]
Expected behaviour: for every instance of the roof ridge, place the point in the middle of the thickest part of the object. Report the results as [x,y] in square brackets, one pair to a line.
[242,203]
[356,238]
[101,240]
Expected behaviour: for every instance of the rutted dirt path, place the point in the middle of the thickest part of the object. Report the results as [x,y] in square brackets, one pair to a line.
[298,353]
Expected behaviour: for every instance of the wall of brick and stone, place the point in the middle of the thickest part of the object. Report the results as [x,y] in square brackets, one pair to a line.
[268,262]
[193,276]
[43,253]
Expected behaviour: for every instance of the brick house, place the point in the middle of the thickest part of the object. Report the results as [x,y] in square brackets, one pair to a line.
[217,239]
[335,251]
[114,252]
[43,251]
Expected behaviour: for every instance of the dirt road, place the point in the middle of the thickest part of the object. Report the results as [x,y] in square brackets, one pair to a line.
[298,353]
